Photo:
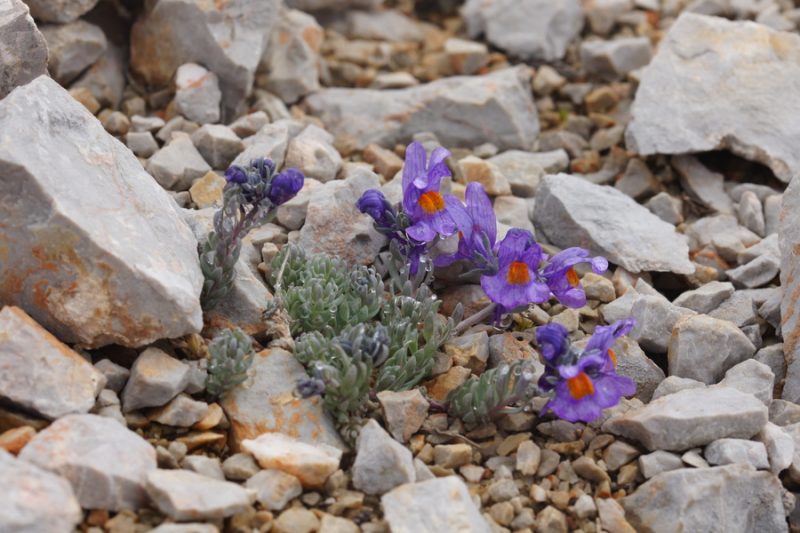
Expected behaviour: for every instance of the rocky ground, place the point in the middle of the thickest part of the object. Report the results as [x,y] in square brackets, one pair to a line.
[661,134]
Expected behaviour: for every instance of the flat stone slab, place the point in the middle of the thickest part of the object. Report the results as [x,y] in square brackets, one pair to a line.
[461,111]
[729,499]
[96,252]
[433,506]
[704,68]
[311,464]
[105,462]
[571,211]
[266,403]
[40,373]
[35,500]
[691,418]
[185,495]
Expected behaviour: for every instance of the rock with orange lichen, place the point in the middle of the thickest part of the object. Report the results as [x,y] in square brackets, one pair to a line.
[312,464]
[291,61]
[227,37]
[91,247]
[266,403]
[39,373]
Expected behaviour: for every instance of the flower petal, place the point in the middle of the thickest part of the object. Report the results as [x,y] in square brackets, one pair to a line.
[480,210]
[414,166]
[421,231]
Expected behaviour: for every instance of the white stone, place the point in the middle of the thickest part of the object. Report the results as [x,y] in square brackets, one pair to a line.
[155,379]
[100,255]
[184,495]
[737,451]
[311,464]
[218,145]
[381,462]
[72,48]
[197,94]
[274,488]
[780,447]
[753,377]
[178,164]
[313,153]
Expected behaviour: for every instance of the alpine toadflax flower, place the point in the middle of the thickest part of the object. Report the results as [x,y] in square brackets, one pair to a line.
[562,279]
[425,206]
[583,381]
[517,282]
[477,230]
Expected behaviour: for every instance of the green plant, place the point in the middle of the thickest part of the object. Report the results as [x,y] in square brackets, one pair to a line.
[495,393]
[230,356]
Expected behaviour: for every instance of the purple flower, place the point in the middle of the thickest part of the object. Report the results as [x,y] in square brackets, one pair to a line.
[374,203]
[516,283]
[584,382]
[562,279]
[477,229]
[285,186]
[236,174]
[422,201]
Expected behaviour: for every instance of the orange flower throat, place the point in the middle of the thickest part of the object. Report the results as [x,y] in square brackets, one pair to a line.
[572,277]
[580,386]
[518,273]
[613,355]
[431,202]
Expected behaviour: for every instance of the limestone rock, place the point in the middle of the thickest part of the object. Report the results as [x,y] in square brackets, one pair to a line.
[530,29]
[60,11]
[291,59]
[23,51]
[732,498]
[685,96]
[780,447]
[184,495]
[312,464]
[40,373]
[571,211]
[418,508]
[265,402]
[332,207]
[704,185]
[35,500]
[218,145]
[72,47]
[632,362]
[100,255]
[704,348]
[659,461]
[655,319]
[460,111]
[404,412]
[609,60]
[789,239]
[690,418]
[737,451]
[313,153]
[228,38]
[523,170]
[181,411]
[197,93]
[155,379]
[270,141]
[381,462]
[706,298]
[105,462]
[274,489]
[753,377]
[317,5]
[178,163]
[106,79]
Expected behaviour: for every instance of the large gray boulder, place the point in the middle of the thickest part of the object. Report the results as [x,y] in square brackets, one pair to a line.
[95,250]
[23,52]
[529,29]
[35,500]
[228,38]
[712,85]
[724,499]
[106,463]
[690,418]
[461,111]
[41,374]
[571,211]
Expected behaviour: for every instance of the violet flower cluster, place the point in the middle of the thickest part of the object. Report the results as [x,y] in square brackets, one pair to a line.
[514,273]
[250,197]
[583,381]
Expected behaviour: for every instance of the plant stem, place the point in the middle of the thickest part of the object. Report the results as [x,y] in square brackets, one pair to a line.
[473,319]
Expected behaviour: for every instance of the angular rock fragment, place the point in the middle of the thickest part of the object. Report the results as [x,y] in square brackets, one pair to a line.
[72,47]
[685,96]
[106,463]
[655,317]
[690,418]
[218,145]
[23,51]
[184,495]
[381,462]
[530,29]
[291,59]
[197,93]
[789,239]
[181,411]
[99,253]
[178,163]
[609,60]
[40,373]
[35,500]
[228,38]
[59,11]
[460,111]
[312,464]
[780,447]
[318,5]
[704,348]
[418,508]
[705,298]
[265,403]
[704,185]
[737,451]
[404,412]
[752,377]
[155,379]
[313,153]
[106,78]
[274,489]
[571,211]
[738,498]
[332,207]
